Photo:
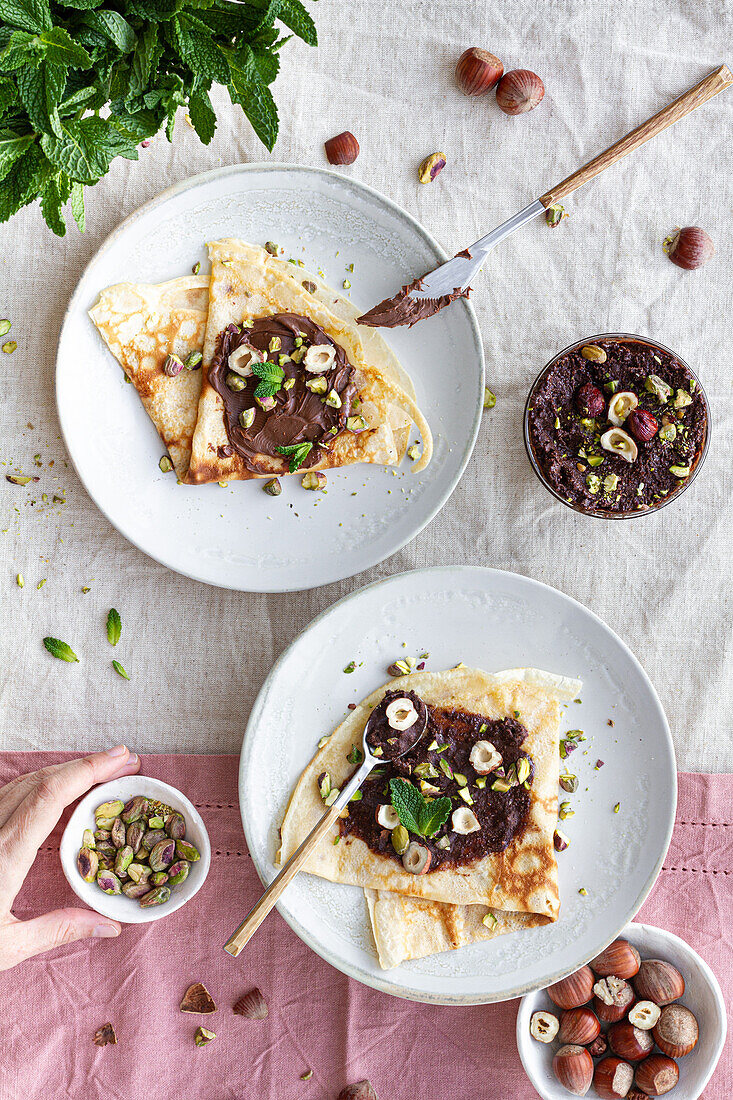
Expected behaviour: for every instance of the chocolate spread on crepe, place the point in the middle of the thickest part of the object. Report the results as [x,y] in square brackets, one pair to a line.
[404,309]
[300,415]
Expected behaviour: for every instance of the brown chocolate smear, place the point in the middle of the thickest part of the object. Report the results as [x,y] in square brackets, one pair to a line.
[404,309]
[299,415]
[502,814]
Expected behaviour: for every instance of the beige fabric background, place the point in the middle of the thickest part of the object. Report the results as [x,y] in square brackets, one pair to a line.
[384,69]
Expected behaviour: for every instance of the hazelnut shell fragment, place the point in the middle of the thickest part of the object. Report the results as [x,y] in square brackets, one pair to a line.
[342,149]
[657,1075]
[659,981]
[619,959]
[613,999]
[676,1032]
[252,1006]
[197,999]
[573,1068]
[690,247]
[478,71]
[104,1035]
[518,91]
[573,991]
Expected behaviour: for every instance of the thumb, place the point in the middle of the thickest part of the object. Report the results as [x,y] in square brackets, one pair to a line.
[31,937]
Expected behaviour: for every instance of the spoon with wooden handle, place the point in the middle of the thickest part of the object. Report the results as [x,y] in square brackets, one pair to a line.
[403,719]
[452,279]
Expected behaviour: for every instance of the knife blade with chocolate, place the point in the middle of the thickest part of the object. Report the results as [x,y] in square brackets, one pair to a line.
[438,288]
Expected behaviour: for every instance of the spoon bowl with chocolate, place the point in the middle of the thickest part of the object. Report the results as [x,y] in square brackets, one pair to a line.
[394,728]
[616,426]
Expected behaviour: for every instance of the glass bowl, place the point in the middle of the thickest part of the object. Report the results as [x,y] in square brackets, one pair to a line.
[601,513]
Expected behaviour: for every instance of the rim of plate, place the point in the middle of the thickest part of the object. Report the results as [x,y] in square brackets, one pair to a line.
[375,980]
[200,180]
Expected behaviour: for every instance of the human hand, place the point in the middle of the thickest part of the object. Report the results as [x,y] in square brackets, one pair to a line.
[30,806]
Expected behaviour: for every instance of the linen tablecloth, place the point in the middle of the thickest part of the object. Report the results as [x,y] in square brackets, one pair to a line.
[318,1019]
[384,69]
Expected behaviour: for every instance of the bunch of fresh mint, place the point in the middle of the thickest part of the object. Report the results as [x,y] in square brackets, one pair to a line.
[85,81]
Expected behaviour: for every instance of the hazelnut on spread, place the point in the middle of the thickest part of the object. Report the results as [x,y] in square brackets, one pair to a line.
[487,809]
[305,383]
[616,426]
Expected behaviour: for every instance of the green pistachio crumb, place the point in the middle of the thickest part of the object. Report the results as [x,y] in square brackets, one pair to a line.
[489,398]
[583,891]
[350,667]
[617,807]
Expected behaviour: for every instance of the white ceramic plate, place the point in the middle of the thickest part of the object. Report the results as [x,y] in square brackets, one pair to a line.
[494,621]
[702,996]
[239,537]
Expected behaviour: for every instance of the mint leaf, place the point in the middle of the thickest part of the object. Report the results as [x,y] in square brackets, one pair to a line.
[77,206]
[30,174]
[269,372]
[297,453]
[120,670]
[114,626]
[86,148]
[19,51]
[29,15]
[111,25]
[409,804]
[294,15]
[434,815]
[40,89]
[51,203]
[202,115]
[11,148]
[60,650]
[198,49]
[249,90]
[141,64]
[59,46]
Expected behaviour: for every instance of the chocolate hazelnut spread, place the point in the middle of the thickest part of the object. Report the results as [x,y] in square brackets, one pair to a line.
[404,309]
[384,738]
[298,414]
[660,407]
[453,733]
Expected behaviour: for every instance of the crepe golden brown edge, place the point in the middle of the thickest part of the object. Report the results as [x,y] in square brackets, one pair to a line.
[246,281]
[417,915]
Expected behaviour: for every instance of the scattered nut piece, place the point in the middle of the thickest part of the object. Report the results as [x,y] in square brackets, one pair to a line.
[203,1036]
[464,821]
[104,1035]
[198,999]
[252,1006]
[620,405]
[484,757]
[644,1015]
[619,442]
[417,858]
[554,214]
[430,167]
[543,1026]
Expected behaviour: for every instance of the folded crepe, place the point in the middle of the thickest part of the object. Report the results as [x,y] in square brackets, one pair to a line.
[274,308]
[417,915]
[142,324]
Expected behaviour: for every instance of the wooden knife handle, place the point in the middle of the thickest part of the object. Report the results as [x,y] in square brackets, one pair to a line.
[257,914]
[716,82]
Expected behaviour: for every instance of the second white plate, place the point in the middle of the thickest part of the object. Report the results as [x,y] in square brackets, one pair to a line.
[490,620]
[237,536]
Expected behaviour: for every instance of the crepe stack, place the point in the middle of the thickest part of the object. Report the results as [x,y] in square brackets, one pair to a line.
[142,324]
[417,915]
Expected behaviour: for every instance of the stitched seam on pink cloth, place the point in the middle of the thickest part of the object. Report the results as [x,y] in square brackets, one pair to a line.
[699,870]
[711,824]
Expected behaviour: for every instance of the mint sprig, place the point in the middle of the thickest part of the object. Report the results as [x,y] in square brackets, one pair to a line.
[272,377]
[297,453]
[415,812]
[82,83]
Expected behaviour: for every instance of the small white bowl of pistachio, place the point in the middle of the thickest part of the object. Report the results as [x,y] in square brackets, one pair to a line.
[135,849]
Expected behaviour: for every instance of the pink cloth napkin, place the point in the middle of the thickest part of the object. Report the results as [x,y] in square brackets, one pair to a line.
[320,1020]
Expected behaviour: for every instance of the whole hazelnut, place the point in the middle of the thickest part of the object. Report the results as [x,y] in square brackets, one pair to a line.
[690,247]
[573,991]
[478,71]
[657,1075]
[643,426]
[573,1068]
[361,1090]
[589,401]
[613,1078]
[659,981]
[620,958]
[342,149]
[579,1026]
[676,1032]
[629,1042]
[518,91]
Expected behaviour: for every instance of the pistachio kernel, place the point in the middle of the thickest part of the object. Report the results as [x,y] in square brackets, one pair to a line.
[314,479]
[192,361]
[489,398]
[173,365]
[165,465]
[234,382]
[430,167]
[272,487]
[593,353]
[554,214]
[333,400]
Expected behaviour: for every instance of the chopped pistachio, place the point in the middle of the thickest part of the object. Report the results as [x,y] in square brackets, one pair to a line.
[5,326]
[9,346]
[490,920]
[489,398]
[309,1072]
[275,344]
[413,452]
[41,583]
[481,782]
[196,268]
[288,383]
[682,400]
[523,769]
[324,740]
[165,465]
[500,785]
[333,400]
[465,795]
[19,580]
[595,460]
[583,892]
[350,667]
[347,284]
[593,482]
[680,471]
[617,807]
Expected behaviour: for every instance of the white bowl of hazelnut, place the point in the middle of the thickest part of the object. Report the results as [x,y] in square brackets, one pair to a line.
[645,1018]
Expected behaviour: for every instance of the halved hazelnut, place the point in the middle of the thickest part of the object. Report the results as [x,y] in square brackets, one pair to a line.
[484,757]
[573,991]
[342,149]
[657,1075]
[676,1032]
[613,1078]
[629,1042]
[417,858]
[619,959]
[644,1015]
[543,1026]
[659,981]
[401,714]
[387,817]
[573,1068]
[620,405]
[579,1025]
[518,91]
[613,999]
[465,821]
[242,358]
[319,358]
[619,442]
